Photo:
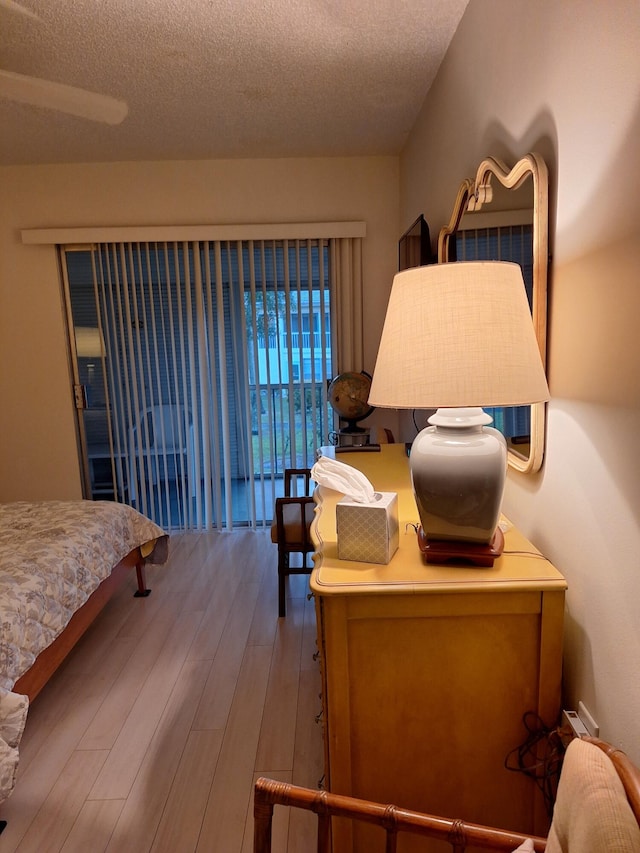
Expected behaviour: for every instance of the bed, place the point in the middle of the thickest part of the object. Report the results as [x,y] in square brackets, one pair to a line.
[60,562]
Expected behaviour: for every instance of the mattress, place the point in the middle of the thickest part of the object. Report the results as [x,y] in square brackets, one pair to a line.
[53,555]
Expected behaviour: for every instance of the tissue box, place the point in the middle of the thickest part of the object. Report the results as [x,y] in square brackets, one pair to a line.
[368,532]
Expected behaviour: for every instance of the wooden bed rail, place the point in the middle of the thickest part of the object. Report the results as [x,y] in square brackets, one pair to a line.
[48,661]
[392,819]
[457,833]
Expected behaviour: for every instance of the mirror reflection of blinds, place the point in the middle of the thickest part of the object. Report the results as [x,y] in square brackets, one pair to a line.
[211,390]
[503,243]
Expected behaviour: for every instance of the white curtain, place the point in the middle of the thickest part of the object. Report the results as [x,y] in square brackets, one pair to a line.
[217,358]
[346,270]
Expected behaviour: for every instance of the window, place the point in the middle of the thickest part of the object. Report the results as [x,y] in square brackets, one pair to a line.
[504,242]
[212,376]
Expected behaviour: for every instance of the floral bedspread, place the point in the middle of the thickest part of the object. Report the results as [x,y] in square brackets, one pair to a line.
[53,555]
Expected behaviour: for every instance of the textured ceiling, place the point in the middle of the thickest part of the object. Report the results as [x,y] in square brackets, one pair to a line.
[224,78]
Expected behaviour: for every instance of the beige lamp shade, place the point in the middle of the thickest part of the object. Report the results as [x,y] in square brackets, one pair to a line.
[458,334]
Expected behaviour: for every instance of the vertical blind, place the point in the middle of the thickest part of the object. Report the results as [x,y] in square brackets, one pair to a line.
[217,356]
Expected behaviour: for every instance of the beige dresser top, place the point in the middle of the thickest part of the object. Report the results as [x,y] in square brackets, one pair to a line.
[521,566]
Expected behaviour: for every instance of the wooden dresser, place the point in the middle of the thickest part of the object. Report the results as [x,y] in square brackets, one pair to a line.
[428,670]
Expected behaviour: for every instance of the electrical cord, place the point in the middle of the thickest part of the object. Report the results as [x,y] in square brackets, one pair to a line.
[535,554]
[540,757]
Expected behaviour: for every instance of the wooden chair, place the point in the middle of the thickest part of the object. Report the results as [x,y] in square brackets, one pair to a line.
[597,809]
[291,528]
[161,445]
[382,435]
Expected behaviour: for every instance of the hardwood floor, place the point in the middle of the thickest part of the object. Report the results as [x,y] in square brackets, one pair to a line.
[151,735]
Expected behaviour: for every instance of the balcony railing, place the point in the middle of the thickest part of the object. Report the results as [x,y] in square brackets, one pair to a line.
[297,340]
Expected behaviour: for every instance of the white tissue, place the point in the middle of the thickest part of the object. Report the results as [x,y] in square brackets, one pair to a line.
[343,478]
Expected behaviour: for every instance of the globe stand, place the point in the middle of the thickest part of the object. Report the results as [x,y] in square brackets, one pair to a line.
[353,435]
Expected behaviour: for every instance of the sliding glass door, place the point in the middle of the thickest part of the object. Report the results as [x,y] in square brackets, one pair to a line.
[204,375]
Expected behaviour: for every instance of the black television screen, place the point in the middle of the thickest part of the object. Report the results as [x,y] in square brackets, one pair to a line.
[414,247]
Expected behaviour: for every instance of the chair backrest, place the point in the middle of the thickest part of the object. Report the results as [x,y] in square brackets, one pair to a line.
[297,482]
[292,524]
[598,803]
[166,425]
[627,772]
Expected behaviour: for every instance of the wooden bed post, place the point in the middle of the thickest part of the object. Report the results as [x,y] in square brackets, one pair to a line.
[262,819]
[142,591]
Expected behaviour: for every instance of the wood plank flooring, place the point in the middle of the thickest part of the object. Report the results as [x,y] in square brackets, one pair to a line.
[151,735]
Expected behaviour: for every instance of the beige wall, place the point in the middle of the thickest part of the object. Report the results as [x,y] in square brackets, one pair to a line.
[563,77]
[38,457]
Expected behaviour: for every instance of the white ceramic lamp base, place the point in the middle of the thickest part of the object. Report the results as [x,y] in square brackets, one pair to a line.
[458,468]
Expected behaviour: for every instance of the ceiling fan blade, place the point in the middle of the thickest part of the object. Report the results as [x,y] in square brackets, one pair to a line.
[12,6]
[60,97]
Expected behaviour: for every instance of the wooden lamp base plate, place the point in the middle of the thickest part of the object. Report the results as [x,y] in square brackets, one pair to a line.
[449,551]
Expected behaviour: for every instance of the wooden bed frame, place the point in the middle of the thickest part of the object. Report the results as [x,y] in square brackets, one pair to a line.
[393,820]
[48,661]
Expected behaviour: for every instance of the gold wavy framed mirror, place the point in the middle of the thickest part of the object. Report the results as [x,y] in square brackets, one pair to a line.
[503,214]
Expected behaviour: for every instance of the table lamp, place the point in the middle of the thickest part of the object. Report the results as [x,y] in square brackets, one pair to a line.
[89,342]
[456,337]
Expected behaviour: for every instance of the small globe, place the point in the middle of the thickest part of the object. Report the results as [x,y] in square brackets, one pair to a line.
[348,396]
